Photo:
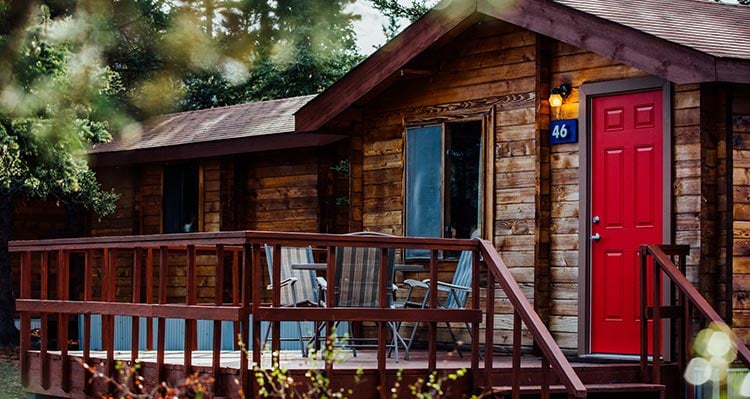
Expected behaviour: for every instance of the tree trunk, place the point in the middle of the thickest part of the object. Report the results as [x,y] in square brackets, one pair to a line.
[8,331]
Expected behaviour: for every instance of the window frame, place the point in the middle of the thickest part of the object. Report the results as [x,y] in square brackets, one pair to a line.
[486,180]
[199,212]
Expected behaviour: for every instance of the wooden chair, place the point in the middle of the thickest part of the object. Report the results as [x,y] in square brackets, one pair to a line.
[454,295]
[298,287]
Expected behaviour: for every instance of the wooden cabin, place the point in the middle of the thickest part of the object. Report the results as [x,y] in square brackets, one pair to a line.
[449,130]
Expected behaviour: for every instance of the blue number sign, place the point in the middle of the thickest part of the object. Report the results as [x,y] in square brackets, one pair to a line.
[563,131]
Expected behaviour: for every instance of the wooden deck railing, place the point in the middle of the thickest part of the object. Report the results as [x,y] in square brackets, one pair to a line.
[683,301]
[133,276]
[524,311]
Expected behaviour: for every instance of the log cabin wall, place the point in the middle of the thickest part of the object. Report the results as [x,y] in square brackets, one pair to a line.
[280,190]
[488,70]
[497,67]
[740,123]
[124,220]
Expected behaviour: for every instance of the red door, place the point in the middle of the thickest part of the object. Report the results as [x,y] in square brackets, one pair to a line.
[626,212]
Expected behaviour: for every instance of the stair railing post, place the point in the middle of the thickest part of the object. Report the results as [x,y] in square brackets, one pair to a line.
[516,372]
[644,320]
[656,326]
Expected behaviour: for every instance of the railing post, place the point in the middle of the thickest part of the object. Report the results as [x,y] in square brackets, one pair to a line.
[516,362]
[489,329]
[643,305]
[656,325]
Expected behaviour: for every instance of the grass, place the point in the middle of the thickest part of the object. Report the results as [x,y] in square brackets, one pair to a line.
[10,375]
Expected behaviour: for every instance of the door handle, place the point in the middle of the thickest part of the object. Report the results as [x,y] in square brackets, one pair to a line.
[596,237]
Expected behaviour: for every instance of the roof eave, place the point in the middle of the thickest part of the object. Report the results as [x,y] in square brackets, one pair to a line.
[214,148]
[651,54]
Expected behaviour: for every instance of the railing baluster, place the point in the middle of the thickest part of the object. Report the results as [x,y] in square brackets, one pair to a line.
[45,321]
[136,320]
[249,283]
[489,330]
[516,362]
[432,337]
[63,290]
[475,305]
[190,299]
[276,299]
[25,293]
[150,297]
[218,301]
[161,323]
[110,320]
[383,276]
[545,378]
[88,295]
[236,292]
[330,294]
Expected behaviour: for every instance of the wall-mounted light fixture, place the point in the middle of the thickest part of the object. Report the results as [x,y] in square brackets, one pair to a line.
[557,94]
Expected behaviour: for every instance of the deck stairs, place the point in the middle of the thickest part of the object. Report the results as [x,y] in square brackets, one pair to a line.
[651,376]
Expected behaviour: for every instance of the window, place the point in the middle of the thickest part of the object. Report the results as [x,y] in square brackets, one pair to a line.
[180,203]
[443,181]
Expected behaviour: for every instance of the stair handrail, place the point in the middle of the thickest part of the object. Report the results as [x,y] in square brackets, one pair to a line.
[665,264]
[551,352]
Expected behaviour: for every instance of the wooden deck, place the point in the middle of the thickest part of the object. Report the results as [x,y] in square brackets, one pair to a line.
[240,298]
[346,367]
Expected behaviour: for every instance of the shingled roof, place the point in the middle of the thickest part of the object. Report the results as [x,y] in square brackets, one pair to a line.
[212,124]
[713,28]
[258,126]
[683,41]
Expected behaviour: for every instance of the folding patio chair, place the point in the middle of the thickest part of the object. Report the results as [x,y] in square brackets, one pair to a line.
[455,294]
[357,277]
[298,287]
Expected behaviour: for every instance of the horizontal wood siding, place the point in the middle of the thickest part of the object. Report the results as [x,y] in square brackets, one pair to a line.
[35,219]
[490,66]
[124,220]
[741,211]
[151,204]
[211,195]
[282,192]
[686,147]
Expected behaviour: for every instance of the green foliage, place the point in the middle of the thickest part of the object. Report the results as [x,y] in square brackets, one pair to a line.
[52,108]
[287,48]
[396,12]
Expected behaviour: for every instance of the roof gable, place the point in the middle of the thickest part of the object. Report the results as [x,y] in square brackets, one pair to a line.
[640,33]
